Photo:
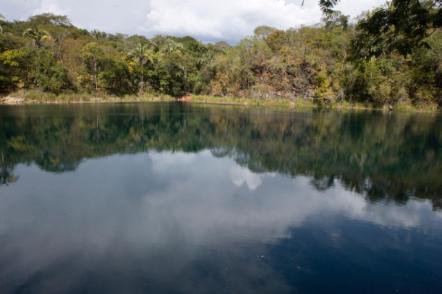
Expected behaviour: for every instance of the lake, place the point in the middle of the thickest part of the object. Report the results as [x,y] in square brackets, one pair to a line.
[174,198]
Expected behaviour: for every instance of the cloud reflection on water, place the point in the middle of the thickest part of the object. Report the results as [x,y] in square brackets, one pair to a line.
[165,212]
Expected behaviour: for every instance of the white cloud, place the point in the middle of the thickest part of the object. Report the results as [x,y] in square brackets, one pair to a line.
[50,6]
[205,19]
[228,19]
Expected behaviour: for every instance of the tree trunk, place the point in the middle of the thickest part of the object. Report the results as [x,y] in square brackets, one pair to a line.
[95,76]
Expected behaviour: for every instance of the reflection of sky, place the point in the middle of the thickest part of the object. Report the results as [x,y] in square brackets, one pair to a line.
[167,213]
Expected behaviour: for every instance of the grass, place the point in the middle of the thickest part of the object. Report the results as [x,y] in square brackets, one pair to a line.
[39,97]
[303,104]
[424,107]
[274,103]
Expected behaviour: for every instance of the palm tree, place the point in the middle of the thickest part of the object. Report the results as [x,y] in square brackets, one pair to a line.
[142,55]
[327,5]
[171,46]
[37,36]
[2,19]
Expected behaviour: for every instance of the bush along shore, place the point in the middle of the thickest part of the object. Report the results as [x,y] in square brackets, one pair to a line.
[373,63]
[37,97]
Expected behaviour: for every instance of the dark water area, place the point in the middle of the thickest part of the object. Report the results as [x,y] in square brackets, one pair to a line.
[173,198]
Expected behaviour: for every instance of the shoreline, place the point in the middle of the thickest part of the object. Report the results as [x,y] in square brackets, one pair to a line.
[275,103]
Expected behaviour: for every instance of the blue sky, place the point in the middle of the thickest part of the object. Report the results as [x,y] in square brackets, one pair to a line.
[207,20]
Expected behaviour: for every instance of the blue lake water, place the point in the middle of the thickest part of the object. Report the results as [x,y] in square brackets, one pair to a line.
[173,198]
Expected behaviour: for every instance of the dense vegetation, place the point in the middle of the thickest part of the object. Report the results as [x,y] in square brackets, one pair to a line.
[394,156]
[393,54]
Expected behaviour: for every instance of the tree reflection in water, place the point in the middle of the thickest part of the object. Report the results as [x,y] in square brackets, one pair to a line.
[382,156]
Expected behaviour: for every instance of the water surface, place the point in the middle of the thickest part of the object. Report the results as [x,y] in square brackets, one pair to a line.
[170,198]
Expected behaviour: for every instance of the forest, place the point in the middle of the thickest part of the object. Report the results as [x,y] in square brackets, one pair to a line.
[390,55]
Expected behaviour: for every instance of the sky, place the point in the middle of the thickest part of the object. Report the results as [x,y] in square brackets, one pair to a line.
[206,20]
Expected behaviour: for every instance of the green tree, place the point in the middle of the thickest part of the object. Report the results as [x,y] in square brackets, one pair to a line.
[15,68]
[48,74]
[92,56]
[174,68]
[37,36]
[49,19]
[142,55]
[115,78]
[402,26]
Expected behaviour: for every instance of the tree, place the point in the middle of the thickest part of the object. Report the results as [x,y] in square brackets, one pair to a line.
[38,36]
[336,19]
[58,36]
[2,19]
[92,56]
[327,6]
[263,32]
[173,67]
[15,68]
[115,78]
[222,45]
[50,19]
[98,35]
[141,54]
[48,74]
[401,26]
